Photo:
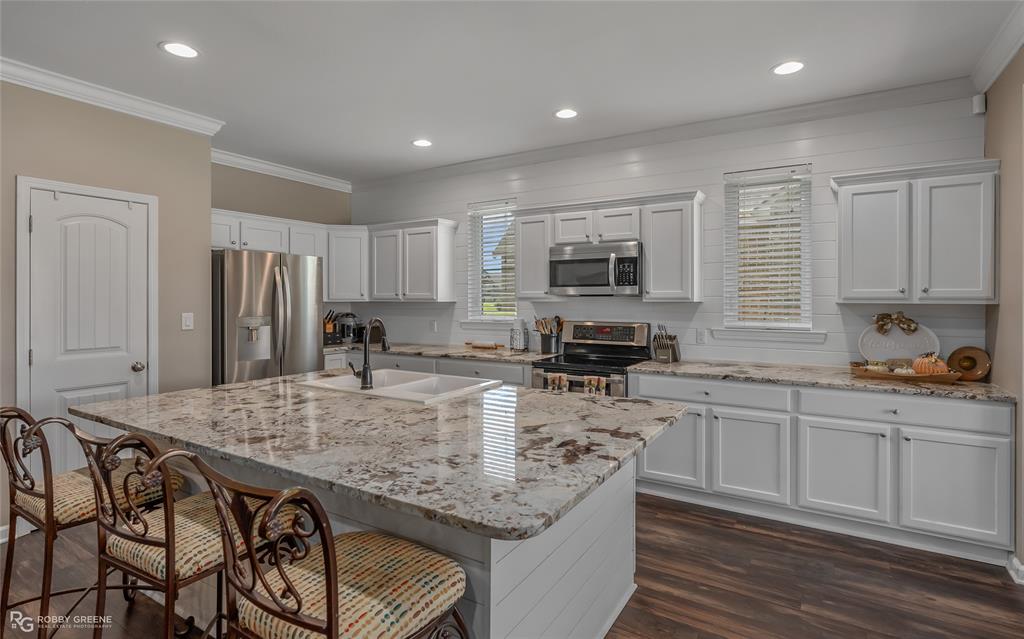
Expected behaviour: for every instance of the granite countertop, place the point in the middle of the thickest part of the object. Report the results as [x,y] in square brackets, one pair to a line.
[455,351]
[506,463]
[838,377]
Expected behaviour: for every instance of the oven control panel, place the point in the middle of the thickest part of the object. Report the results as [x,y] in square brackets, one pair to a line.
[604,333]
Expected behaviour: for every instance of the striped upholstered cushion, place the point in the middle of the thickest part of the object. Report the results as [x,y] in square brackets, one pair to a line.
[74,498]
[388,588]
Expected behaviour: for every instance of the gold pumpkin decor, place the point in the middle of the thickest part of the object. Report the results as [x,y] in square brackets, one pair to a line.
[930,364]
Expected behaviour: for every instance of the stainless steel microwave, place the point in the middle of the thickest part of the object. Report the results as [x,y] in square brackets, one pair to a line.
[595,269]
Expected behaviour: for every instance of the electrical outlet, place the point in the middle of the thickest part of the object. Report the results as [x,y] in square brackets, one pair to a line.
[188,321]
[433,326]
[702,336]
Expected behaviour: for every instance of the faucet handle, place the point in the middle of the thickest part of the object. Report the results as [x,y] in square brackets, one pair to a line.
[384,345]
[354,371]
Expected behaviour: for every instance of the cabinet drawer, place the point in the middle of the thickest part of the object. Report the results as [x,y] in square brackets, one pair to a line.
[337,360]
[984,417]
[508,373]
[401,362]
[762,396]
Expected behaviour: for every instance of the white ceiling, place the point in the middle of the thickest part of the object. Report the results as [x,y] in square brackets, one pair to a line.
[342,88]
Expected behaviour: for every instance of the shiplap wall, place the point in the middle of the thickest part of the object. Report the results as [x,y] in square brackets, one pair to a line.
[931,123]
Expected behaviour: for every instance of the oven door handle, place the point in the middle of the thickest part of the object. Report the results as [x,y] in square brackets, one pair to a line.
[612,379]
[611,272]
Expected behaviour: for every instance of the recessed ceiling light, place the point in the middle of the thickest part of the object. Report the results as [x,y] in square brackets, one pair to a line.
[422,143]
[785,68]
[179,49]
[565,114]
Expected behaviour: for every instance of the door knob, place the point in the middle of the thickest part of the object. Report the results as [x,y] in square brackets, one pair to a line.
[138,367]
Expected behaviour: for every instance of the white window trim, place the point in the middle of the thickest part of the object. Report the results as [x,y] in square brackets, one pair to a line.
[754,330]
[475,322]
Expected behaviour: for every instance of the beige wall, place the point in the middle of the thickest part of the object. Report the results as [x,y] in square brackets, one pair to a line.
[251,192]
[1005,335]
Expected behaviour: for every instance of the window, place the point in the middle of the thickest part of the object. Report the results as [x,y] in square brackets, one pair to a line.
[768,248]
[492,261]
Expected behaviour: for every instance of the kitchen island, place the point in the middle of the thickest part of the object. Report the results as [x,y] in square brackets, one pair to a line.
[531,491]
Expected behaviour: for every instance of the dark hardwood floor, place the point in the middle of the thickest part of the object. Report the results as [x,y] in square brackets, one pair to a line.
[708,573]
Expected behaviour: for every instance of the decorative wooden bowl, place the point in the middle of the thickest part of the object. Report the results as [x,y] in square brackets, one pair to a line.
[942,378]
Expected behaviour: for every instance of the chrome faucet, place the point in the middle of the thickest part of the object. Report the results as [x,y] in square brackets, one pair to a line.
[366,376]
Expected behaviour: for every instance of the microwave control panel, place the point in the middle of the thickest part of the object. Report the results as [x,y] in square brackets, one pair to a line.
[626,272]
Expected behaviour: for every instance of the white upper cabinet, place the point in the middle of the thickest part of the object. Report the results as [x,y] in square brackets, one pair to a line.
[419,278]
[575,227]
[617,225]
[672,238]
[533,239]
[955,218]
[386,264]
[919,234]
[260,234]
[224,230]
[307,239]
[874,241]
[348,264]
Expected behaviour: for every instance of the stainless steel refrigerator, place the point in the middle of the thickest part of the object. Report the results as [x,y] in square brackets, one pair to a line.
[267,315]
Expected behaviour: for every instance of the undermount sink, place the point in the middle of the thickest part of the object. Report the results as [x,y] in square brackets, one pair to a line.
[422,388]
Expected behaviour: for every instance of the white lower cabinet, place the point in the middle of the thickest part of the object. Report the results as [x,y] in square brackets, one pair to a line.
[400,362]
[508,373]
[844,467]
[678,455]
[957,484]
[336,360]
[750,454]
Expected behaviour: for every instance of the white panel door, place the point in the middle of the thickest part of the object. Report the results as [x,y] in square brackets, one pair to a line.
[844,467]
[617,225]
[677,455]
[533,241]
[957,484]
[874,242]
[750,454]
[386,265]
[419,261]
[671,245]
[89,308]
[264,235]
[574,228]
[955,220]
[348,265]
[224,231]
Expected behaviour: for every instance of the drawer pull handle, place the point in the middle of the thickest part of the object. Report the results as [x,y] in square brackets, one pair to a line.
[476,372]
[397,365]
[882,435]
[717,417]
[707,393]
[906,439]
[895,411]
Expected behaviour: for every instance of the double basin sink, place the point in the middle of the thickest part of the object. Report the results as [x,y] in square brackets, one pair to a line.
[422,388]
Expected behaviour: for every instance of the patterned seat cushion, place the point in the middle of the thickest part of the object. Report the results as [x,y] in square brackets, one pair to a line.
[74,498]
[197,541]
[388,588]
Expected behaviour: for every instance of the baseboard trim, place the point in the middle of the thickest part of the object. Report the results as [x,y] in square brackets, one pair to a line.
[832,523]
[619,607]
[1016,569]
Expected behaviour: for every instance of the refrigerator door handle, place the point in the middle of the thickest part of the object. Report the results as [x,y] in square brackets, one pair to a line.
[279,318]
[287,308]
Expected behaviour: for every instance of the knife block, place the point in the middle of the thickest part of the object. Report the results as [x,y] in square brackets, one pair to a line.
[666,348]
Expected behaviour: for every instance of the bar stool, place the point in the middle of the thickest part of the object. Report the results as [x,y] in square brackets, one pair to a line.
[51,503]
[365,584]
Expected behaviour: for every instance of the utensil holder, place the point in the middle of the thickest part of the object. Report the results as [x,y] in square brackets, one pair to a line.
[550,343]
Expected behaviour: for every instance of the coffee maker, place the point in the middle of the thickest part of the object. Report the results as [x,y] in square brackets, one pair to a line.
[342,328]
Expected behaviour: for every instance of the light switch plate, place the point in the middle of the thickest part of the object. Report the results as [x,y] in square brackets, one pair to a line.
[433,326]
[702,336]
[188,321]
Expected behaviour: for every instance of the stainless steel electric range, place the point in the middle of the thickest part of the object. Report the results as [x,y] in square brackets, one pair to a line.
[596,349]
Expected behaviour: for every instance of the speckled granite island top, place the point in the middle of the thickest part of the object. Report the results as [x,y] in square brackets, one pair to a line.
[455,351]
[837,377]
[506,463]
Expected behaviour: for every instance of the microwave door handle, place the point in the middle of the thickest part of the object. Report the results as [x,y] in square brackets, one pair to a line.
[611,272]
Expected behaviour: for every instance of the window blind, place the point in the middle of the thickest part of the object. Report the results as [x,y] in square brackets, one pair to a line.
[492,261]
[767,270]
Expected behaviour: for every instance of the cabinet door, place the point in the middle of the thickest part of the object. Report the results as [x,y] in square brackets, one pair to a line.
[224,231]
[338,360]
[874,242]
[264,235]
[307,240]
[750,454]
[573,228]
[957,484]
[844,467]
[348,265]
[672,256]
[533,239]
[955,221]
[617,225]
[419,263]
[677,455]
[386,265]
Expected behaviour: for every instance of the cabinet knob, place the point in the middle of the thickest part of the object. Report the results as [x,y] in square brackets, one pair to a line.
[924,290]
[477,373]
[906,439]
[903,290]
[707,393]
[647,291]
[245,244]
[600,235]
[882,435]
[717,417]
[895,411]
[588,236]
[397,365]
[396,294]
[233,242]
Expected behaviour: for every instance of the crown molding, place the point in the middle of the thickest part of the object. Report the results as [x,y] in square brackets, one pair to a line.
[32,77]
[915,172]
[1000,51]
[227,158]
